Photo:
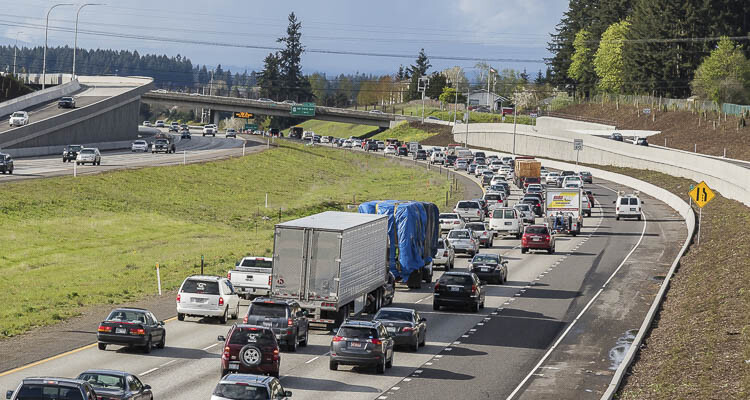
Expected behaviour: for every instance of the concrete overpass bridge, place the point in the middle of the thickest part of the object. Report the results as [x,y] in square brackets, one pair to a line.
[234,104]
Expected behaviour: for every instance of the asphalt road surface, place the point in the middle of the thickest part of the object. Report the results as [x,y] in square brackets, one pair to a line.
[468,355]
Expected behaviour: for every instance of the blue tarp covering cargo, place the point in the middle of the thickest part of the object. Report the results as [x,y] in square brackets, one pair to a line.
[412,227]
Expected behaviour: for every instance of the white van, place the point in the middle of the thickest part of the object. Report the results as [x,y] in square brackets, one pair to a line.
[506,221]
[628,206]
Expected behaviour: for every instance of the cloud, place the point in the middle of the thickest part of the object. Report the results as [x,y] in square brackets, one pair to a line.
[512,21]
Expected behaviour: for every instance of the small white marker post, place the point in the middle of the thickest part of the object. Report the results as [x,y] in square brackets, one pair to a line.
[184,157]
[266,200]
[268,143]
[158,278]
[243,148]
[75,169]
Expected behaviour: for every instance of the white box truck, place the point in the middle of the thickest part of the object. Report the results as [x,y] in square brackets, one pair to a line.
[564,210]
[333,263]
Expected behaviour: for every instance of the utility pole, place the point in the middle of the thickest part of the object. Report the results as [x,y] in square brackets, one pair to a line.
[46,29]
[468,117]
[75,42]
[15,50]
[489,78]
[514,130]
[424,82]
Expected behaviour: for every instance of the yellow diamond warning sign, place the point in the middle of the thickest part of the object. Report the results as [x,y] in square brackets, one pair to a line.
[702,194]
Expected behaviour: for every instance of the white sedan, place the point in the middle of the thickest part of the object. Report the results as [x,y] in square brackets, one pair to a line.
[390,150]
[450,221]
[19,118]
[139,145]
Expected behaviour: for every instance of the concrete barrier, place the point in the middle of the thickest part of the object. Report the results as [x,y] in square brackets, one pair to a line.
[39,97]
[547,140]
[49,150]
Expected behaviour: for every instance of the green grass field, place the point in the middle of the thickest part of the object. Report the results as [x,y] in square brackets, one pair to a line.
[404,133]
[446,115]
[68,243]
[337,129]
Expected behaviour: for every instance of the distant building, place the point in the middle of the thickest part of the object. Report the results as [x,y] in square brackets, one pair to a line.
[482,97]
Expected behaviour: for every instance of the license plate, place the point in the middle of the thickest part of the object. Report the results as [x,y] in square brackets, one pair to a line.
[632,209]
[248,277]
[485,269]
[267,324]
[120,331]
[537,239]
[234,366]
[508,223]
[197,300]
[356,345]
[391,329]
[454,289]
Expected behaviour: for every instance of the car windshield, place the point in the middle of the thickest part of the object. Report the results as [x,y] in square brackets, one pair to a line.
[351,332]
[394,315]
[449,279]
[268,310]
[537,230]
[127,316]
[241,391]
[244,336]
[140,142]
[75,148]
[103,380]
[18,114]
[459,235]
[485,259]
[200,287]
[161,141]
[67,99]
[44,392]
[467,204]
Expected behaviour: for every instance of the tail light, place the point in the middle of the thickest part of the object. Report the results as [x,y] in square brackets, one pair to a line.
[376,341]
[221,301]
[473,289]
[244,320]
[275,354]
[289,322]
[445,253]
[178,297]
[103,328]
[546,238]
[137,331]
[269,280]
[477,212]
[229,275]
[407,329]
[226,354]
[337,338]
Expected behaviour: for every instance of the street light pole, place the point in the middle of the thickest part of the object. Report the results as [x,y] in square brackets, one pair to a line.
[468,117]
[75,42]
[514,130]
[15,50]
[46,29]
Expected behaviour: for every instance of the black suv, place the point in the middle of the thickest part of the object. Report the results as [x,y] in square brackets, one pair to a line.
[285,317]
[66,102]
[6,163]
[70,152]
[403,151]
[372,145]
[420,155]
[163,145]
[52,388]
[459,289]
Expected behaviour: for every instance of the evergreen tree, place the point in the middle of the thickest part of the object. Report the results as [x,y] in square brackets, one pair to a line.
[422,64]
[296,86]
[436,86]
[524,76]
[269,78]
[539,78]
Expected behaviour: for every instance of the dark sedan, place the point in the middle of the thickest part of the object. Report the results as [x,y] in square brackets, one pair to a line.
[405,325]
[132,327]
[403,151]
[459,289]
[489,268]
[70,152]
[616,136]
[66,102]
[116,385]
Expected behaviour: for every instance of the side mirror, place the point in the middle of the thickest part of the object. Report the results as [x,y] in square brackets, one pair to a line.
[614,202]
[221,338]
[423,319]
[161,323]
[305,313]
[8,394]
[147,387]
[288,393]
[505,263]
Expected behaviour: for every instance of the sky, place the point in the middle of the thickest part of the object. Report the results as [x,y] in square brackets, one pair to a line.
[508,34]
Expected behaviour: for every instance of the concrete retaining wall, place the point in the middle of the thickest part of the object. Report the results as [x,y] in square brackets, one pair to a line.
[50,150]
[39,97]
[732,181]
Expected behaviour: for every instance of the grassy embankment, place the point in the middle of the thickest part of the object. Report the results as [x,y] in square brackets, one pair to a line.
[408,132]
[67,243]
[337,129]
[446,115]
[699,346]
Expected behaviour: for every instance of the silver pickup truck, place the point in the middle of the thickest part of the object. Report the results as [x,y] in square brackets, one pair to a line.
[251,277]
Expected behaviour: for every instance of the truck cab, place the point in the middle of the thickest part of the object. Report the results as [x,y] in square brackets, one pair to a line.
[251,277]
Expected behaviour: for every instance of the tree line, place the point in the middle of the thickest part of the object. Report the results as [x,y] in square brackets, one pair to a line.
[658,47]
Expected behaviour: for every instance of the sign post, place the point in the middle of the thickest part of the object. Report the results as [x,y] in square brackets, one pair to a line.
[701,195]
[577,146]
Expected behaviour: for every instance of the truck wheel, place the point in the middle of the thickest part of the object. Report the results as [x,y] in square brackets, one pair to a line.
[332,365]
[102,346]
[524,250]
[292,347]
[617,218]
[304,341]
[180,317]
[435,306]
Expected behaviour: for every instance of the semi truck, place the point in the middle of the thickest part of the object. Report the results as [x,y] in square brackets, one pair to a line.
[564,210]
[332,263]
[413,233]
[525,168]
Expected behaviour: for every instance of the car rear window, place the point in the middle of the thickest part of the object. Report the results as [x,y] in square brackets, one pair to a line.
[492,197]
[467,204]
[448,216]
[537,230]
[125,315]
[200,287]
[456,280]
[522,207]
[251,263]
[103,380]
[532,180]
[268,310]
[633,201]
[624,201]
[350,332]
[394,315]
[475,227]
[459,235]
[44,392]
[485,259]
[245,336]
[240,391]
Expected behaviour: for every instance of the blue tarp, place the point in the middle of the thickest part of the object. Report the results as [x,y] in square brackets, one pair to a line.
[413,227]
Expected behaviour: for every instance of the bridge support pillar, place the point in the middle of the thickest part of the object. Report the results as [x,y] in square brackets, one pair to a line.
[215,117]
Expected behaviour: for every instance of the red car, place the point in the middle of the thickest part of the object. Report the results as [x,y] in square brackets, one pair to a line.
[537,237]
[250,349]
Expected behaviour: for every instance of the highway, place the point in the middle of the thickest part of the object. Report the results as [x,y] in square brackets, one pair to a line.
[548,333]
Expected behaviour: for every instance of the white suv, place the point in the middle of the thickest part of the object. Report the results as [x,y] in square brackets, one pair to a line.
[19,118]
[628,206]
[207,296]
[210,129]
[469,210]
[437,157]
[450,221]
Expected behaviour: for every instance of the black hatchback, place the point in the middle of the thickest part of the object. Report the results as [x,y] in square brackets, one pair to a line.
[285,317]
[459,289]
